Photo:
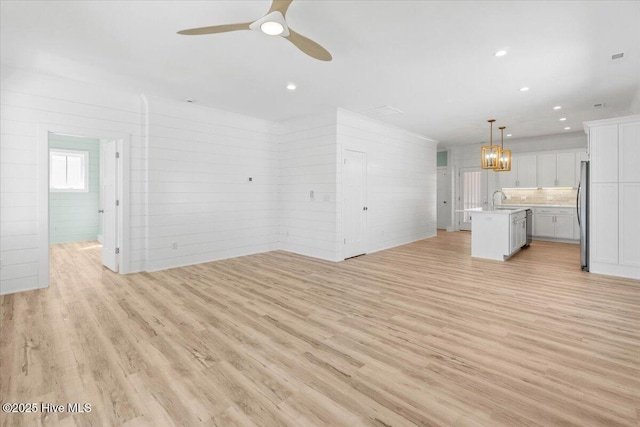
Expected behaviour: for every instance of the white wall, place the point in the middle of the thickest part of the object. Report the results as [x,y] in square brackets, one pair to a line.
[31,104]
[307,152]
[401,180]
[188,170]
[199,194]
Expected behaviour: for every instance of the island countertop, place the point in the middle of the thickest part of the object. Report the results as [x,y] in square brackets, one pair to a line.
[500,211]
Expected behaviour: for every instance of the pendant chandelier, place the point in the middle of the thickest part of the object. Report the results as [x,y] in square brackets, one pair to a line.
[489,154]
[495,157]
[504,159]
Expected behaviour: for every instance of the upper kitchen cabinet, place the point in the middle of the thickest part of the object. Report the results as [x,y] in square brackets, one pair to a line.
[614,148]
[603,145]
[522,174]
[629,152]
[556,170]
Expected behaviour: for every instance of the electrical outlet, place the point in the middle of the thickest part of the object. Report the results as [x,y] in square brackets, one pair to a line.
[174,245]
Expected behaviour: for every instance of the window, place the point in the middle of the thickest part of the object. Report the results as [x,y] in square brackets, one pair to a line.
[68,170]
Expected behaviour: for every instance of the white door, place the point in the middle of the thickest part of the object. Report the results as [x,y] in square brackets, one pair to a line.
[473,191]
[444,202]
[355,203]
[110,214]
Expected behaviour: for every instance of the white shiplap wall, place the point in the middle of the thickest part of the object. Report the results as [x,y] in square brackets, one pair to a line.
[30,104]
[401,180]
[307,163]
[189,169]
[199,194]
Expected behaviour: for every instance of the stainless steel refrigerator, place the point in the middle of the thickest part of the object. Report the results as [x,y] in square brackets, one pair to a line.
[582,210]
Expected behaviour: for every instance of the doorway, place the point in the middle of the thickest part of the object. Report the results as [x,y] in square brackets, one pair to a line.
[473,195]
[355,203]
[83,193]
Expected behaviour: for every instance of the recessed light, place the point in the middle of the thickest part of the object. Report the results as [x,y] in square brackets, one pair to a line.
[500,53]
[291,86]
[524,89]
[508,134]
[272,28]
[557,107]
[567,128]
[563,119]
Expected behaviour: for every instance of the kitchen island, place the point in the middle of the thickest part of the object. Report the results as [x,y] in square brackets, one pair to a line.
[498,233]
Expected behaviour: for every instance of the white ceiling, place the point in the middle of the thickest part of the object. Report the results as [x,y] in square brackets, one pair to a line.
[432,60]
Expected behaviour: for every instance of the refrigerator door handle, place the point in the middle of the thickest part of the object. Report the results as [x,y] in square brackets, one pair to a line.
[578,204]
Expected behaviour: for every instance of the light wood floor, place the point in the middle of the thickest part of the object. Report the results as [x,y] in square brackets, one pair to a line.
[417,335]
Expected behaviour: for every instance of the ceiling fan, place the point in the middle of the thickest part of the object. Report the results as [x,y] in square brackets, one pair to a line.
[273,24]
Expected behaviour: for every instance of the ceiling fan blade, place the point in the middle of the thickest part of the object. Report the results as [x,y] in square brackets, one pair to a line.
[308,46]
[280,5]
[215,29]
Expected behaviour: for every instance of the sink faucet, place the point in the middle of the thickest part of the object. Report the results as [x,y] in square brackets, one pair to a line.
[493,196]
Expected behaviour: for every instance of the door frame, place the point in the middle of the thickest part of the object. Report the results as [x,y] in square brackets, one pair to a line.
[123,147]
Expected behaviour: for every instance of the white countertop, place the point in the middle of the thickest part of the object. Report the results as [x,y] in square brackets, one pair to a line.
[537,206]
[508,211]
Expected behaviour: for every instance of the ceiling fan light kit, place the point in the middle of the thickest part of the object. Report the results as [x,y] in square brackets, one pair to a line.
[274,23]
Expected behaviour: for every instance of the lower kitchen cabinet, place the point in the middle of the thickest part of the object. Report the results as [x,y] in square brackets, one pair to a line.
[555,223]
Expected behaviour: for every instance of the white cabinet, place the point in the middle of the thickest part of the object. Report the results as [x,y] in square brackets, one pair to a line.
[522,173]
[614,228]
[629,152]
[543,225]
[564,226]
[547,165]
[527,172]
[629,245]
[556,170]
[508,179]
[603,223]
[603,144]
[555,223]
[518,231]
[498,234]
[566,170]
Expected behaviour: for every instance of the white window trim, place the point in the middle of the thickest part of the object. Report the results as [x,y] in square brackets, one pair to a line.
[85,162]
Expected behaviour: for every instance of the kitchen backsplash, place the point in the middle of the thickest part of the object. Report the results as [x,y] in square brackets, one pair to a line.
[548,196]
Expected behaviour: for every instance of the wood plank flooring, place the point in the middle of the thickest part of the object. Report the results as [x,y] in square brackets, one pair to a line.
[417,335]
